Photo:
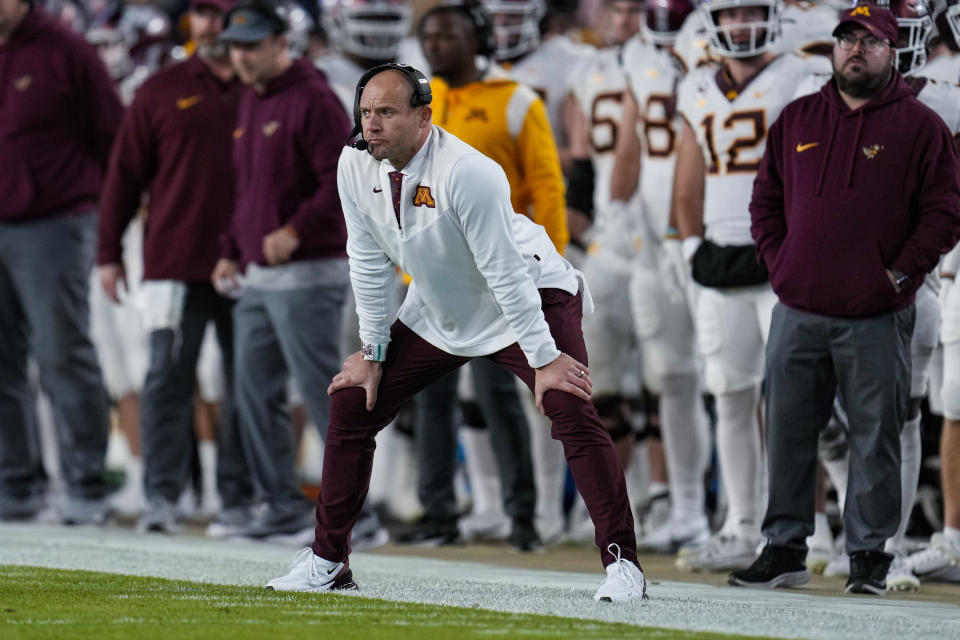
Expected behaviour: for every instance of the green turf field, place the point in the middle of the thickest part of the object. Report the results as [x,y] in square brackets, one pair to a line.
[54,603]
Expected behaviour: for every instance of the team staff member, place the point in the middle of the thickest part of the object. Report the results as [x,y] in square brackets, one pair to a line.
[505,121]
[58,115]
[501,118]
[174,143]
[849,214]
[288,237]
[486,283]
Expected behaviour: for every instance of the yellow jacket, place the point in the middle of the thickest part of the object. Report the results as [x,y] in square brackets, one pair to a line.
[507,122]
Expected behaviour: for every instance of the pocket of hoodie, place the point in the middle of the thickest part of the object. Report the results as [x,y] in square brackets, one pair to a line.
[17,186]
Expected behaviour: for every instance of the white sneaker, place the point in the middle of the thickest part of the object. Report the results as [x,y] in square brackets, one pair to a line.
[624,581]
[675,534]
[939,561]
[839,565]
[723,552]
[486,526]
[129,501]
[310,572]
[900,577]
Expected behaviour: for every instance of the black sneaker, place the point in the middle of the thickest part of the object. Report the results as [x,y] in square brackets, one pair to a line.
[431,533]
[776,567]
[868,572]
[524,537]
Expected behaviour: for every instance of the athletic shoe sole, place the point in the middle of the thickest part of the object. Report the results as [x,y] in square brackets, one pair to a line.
[863,587]
[789,579]
[343,583]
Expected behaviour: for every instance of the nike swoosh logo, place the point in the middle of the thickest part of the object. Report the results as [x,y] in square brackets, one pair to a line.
[185,103]
[332,571]
[375,190]
[803,147]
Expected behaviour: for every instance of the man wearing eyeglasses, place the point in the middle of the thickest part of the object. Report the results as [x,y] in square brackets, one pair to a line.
[849,214]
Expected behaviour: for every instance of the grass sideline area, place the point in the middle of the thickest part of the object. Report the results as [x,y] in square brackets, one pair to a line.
[57,603]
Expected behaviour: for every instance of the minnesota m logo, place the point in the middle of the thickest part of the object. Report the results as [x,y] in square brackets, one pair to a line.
[860,11]
[422,198]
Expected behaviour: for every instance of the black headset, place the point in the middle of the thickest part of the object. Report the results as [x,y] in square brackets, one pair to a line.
[421,92]
[266,9]
[478,14]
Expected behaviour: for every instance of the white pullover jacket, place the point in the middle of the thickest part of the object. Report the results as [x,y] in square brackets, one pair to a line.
[476,265]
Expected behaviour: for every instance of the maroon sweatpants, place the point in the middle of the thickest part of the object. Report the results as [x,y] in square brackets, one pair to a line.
[412,364]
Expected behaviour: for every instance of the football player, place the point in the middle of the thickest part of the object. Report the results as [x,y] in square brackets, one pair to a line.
[662,315]
[726,113]
[597,91]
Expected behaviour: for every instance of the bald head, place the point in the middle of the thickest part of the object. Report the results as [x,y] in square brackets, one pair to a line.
[393,129]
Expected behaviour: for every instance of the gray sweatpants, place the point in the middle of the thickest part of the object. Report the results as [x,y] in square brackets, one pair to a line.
[810,357]
[44,312]
[166,404]
[279,333]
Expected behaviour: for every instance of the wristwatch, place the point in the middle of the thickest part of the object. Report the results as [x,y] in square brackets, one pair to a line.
[901,280]
[373,352]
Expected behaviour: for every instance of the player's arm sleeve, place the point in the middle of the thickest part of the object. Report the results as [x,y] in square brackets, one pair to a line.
[480,196]
[938,227]
[321,139]
[131,166]
[540,166]
[372,273]
[768,223]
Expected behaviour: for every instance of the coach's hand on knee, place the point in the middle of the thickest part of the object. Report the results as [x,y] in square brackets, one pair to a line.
[563,374]
[358,372]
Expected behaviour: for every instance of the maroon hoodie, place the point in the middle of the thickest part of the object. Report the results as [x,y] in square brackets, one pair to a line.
[59,112]
[843,195]
[285,152]
[175,143]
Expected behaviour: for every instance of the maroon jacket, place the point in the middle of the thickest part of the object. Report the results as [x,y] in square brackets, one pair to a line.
[174,143]
[285,151]
[58,115]
[843,195]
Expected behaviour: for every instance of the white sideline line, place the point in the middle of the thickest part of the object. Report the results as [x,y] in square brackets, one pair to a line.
[673,605]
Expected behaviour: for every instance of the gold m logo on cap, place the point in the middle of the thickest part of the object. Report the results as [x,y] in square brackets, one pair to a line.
[860,11]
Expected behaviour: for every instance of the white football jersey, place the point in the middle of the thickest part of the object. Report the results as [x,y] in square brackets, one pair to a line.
[944,99]
[808,27]
[731,128]
[653,75]
[547,71]
[343,75]
[943,68]
[598,87]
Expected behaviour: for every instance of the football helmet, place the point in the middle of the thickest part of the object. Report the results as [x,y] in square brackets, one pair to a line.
[664,19]
[763,34]
[516,26]
[369,29]
[112,44]
[300,25]
[917,22]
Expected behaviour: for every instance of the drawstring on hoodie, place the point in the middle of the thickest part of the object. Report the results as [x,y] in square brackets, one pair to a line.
[853,153]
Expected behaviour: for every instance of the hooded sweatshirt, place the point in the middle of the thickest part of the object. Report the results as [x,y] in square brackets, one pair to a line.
[286,146]
[843,195]
[58,116]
